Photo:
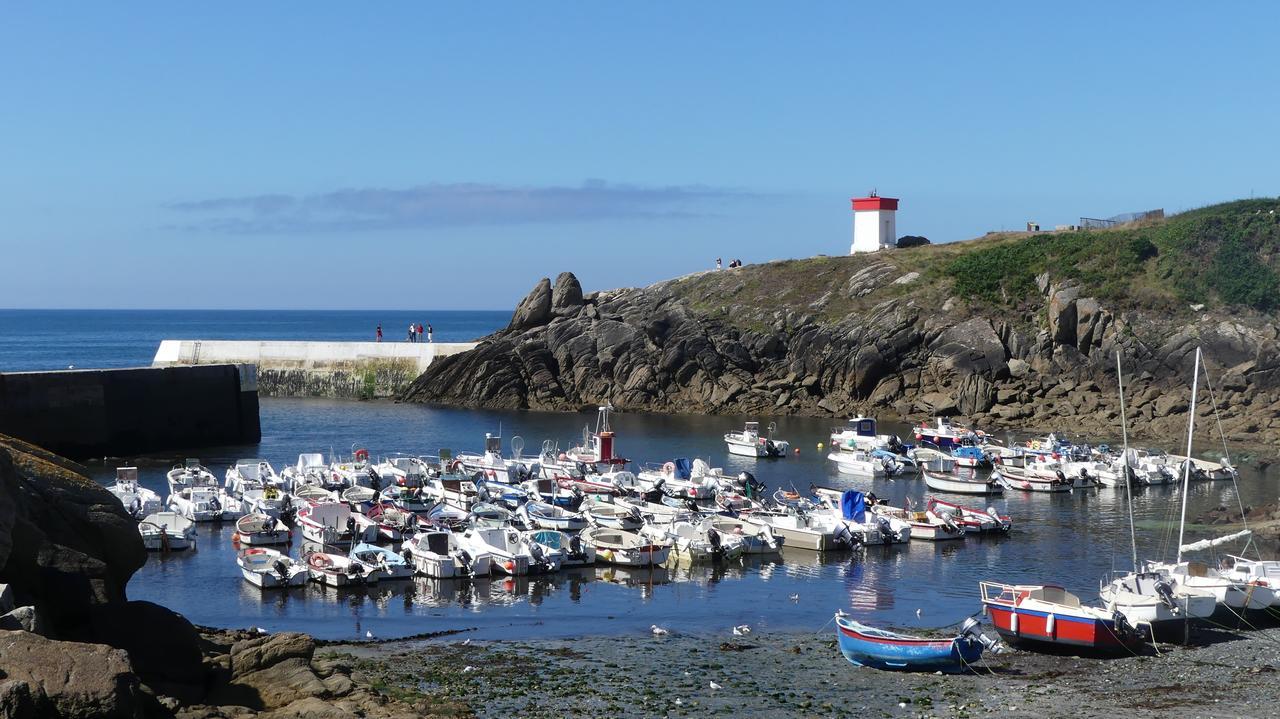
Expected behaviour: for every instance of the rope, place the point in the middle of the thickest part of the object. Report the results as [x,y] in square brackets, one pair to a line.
[1226,455]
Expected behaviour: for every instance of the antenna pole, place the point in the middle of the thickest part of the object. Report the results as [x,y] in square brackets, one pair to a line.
[1128,491]
[1186,469]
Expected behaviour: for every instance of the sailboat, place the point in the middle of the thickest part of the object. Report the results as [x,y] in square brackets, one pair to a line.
[1147,598]
[1232,594]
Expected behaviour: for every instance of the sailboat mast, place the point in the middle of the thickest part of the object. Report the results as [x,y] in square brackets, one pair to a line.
[1186,469]
[1128,491]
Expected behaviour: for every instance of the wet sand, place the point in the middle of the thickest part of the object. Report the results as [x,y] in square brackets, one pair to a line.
[1225,674]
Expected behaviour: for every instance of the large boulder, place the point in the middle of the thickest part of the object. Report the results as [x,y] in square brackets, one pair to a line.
[271,671]
[47,678]
[535,309]
[163,647]
[566,297]
[66,543]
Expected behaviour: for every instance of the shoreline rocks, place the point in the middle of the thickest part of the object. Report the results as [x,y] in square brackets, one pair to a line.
[686,346]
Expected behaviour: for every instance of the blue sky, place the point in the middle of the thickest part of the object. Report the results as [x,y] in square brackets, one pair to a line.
[419,155]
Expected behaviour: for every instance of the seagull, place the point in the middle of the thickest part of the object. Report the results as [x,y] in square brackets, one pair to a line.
[657,630]
[794,597]
[741,630]
[468,668]
[368,634]
[715,686]
[260,630]
[919,613]
[679,701]
[466,642]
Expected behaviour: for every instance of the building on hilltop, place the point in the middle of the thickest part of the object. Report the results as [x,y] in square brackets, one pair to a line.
[875,225]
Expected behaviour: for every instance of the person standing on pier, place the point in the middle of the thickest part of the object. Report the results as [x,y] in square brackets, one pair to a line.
[378,332]
[413,332]
[420,335]
[429,332]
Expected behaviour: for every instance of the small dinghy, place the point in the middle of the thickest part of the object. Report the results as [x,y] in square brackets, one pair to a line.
[968,483]
[394,522]
[360,499]
[487,514]
[757,537]
[972,519]
[438,554]
[167,532]
[444,515]
[314,494]
[575,552]
[336,570]
[696,542]
[868,646]
[138,501]
[269,569]
[380,559]
[540,515]
[260,529]
[612,516]
[190,474]
[615,546]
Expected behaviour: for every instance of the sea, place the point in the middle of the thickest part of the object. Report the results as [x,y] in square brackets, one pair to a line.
[1074,540]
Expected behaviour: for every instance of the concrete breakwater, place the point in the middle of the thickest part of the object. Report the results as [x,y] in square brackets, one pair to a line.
[344,370]
[91,413]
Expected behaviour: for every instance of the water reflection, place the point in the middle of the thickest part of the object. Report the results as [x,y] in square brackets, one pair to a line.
[1072,539]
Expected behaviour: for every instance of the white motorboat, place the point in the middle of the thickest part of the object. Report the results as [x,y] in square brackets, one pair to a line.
[247,474]
[314,494]
[973,519]
[1231,593]
[855,522]
[488,514]
[654,511]
[190,474]
[510,554]
[381,559]
[924,525]
[351,472]
[611,515]
[360,499]
[1253,571]
[540,515]
[395,523]
[337,570]
[815,531]
[262,529]
[1031,480]
[749,443]
[402,470]
[489,463]
[968,483]
[860,433]
[440,555]
[456,490]
[138,501]
[945,435]
[859,462]
[268,500]
[310,470]
[696,542]
[167,532]
[677,479]
[615,546]
[269,569]
[335,525]
[574,552]
[205,504]
[757,537]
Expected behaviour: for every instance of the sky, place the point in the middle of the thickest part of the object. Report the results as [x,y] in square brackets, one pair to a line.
[406,155]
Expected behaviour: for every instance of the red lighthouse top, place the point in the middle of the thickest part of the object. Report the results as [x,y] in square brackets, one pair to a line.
[875,203]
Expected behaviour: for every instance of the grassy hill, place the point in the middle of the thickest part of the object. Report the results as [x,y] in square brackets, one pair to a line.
[1225,256]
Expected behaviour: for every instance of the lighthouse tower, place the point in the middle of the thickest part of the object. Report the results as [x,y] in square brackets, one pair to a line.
[875,225]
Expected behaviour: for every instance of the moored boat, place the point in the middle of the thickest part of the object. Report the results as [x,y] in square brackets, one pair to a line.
[749,443]
[138,501]
[615,546]
[869,646]
[380,559]
[269,569]
[1037,614]
[167,532]
[962,483]
[973,519]
[438,554]
[262,529]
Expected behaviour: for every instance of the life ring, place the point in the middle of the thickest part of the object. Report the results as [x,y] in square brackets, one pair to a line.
[1035,444]
[247,552]
[362,455]
[669,468]
[320,561]
[455,465]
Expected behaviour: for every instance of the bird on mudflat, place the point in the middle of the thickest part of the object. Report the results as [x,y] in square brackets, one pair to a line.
[715,686]
[657,630]
[741,630]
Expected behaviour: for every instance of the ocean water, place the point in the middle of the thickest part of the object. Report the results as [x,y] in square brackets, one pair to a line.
[1070,539]
[57,339]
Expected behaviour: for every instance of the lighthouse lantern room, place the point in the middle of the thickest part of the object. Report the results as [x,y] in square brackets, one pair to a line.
[875,224]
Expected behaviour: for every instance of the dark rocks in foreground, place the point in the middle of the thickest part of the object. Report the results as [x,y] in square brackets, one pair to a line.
[681,346]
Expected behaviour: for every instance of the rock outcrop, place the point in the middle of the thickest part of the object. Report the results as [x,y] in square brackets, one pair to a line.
[855,339]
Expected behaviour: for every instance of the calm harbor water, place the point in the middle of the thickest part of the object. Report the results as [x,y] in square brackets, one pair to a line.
[1072,539]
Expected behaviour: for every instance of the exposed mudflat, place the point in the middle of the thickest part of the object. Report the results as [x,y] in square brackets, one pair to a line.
[1225,674]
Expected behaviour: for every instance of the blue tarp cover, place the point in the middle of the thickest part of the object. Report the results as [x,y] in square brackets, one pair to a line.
[684,468]
[854,506]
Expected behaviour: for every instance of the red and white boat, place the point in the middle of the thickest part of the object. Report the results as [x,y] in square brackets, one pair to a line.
[971,518]
[1046,614]
[592,466]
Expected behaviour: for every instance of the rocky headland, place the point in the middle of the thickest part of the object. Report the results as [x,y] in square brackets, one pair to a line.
[1013,331]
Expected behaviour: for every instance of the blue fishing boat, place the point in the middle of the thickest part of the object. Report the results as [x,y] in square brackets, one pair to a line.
[881,649]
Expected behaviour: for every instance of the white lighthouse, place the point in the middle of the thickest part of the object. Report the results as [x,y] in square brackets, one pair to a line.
[875,225]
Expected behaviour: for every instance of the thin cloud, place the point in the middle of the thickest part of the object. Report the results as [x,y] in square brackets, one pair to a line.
[444,205]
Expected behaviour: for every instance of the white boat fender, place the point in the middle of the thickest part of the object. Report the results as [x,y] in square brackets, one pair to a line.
[1013,622]
[1050,625]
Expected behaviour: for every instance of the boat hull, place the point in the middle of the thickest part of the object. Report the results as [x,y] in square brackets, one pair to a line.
[960,485]
[1032,627]
[906,654]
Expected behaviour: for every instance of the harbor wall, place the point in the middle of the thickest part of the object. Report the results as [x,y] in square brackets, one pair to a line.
[343,370]
[118,412]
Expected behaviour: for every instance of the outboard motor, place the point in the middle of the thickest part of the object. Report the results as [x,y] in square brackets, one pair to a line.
[844,537]
[713,537]
[575,546]
[886,529]
[1165,590]
[282,569]
[465,559]
[970,628]
[135,508]
[214,504]
[375,479]
[539,556]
